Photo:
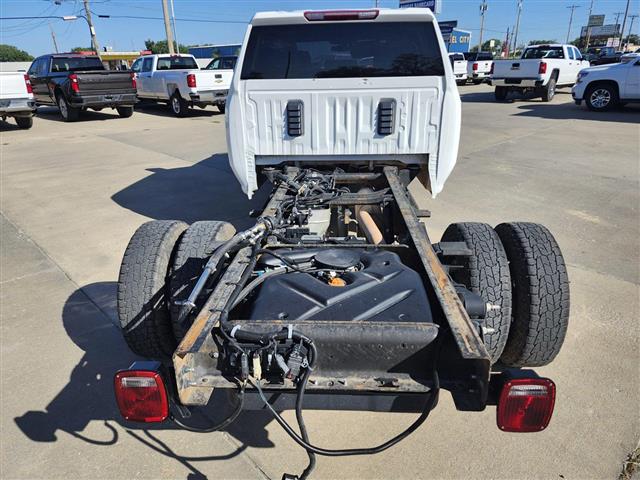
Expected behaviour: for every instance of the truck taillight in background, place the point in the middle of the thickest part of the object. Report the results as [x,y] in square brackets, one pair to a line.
[542,69]
[191,80]
[134,83]
[335,15]
[73,78]
[475,67]
[526,404]
[141,394]
[27,82]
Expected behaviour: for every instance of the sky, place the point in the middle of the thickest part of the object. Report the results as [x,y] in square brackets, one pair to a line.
[200,22]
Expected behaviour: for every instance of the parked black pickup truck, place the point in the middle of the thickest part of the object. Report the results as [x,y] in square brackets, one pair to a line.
[76,82]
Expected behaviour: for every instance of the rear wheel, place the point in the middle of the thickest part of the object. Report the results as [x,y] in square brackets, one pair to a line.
[68,113]
[125,112]
[478,81]
[601,97]
[142,288]
[540,295]
[460,83]
[549,90]
[24,122]
[501,93]
[486,273]
[194,249]
[222,107]
[178,105]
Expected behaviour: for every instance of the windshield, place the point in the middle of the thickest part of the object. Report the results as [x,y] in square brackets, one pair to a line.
[176,63]
[222,63]
[543,52]
[76,64]
[470,56]
[342,50]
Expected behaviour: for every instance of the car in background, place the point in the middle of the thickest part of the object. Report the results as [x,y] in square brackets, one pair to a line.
[16,98]
[459,65]
[222,63]
[629,56]
[178,81]
[602,55]
[478,66]
[604,87]
[76,82]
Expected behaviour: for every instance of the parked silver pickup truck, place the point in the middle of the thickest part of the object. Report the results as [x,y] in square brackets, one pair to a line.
[177,80]
[16,98]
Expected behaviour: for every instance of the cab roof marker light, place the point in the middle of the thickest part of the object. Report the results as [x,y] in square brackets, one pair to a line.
[337,15]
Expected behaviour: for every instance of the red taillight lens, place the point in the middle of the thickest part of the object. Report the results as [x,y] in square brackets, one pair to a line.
[191,80]
[526,404]
[336,15]
[542,69]
[491,69]
[475,67]
[27,82]
[134,83]
[141,396]
[75,86]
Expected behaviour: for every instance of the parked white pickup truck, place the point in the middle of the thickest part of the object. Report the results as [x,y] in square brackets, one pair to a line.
[16,98]
[606,86]
[459,65]
[540,69]
[176,79]
[478,66]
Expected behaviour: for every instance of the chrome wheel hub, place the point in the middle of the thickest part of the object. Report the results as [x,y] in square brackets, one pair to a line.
[600,98]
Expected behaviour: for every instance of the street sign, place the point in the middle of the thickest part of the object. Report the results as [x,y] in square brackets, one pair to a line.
[434,5]
[613,42]
[595,21]
[610,30]
[446,28]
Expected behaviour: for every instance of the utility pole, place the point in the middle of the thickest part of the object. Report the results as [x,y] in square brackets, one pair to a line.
[483,8]
[572,7]
[624,22]
[94,40]
[167,27]
[55,43]
[632,17]
[505,47]
[175,31]
[515,33]
[588,26]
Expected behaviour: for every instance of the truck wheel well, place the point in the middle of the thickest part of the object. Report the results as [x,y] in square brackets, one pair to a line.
[609,83]
[555,73]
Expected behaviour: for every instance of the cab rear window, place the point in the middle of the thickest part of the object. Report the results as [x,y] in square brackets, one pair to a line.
[342,50]
[176,63]
[75,64]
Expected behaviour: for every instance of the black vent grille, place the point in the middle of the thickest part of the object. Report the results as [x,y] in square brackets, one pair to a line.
[295,123]
[386,117]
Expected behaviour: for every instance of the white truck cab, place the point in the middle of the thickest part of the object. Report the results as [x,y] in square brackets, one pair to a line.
[459,66]
[358,89]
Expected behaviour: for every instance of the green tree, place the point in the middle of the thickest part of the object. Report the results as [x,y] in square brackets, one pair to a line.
[541,42]
[161,46]
[82,49]
[486,46]
[9,53]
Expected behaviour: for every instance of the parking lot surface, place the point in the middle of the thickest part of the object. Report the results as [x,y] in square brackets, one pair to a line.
[73,194]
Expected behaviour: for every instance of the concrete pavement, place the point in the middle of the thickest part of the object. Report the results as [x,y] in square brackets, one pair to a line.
[72,195]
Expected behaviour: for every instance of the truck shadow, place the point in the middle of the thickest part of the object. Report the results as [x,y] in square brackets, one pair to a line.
[205,190]
[8,125]
[626,114]
[489,97]
[163,110]
[53,114]
[89,320]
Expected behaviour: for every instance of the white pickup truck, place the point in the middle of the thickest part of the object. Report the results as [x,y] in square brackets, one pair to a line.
[177,80]
[540,69]
[16,98]
[478,66]
[606,86]
[459,65]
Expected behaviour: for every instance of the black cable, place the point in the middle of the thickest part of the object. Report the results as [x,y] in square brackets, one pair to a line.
[219,426]
[301,425]
[433,395]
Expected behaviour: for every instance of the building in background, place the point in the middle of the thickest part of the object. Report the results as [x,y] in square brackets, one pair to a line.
[459,41]
[213,51]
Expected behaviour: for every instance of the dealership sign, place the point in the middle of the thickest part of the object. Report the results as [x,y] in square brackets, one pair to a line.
[434,5]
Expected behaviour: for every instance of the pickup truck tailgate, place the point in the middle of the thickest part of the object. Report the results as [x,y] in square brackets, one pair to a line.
[517,68]
[12,85]
[213,79]
[108,81]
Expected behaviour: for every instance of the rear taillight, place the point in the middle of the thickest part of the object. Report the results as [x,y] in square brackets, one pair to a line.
[542,69]
[491,69]
[27,82]
[336,15]
[141,395]
[134,83]
[191,80]
[475,67]
[75,86]
[526,404]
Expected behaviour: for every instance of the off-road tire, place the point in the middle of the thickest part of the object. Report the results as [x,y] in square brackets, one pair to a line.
[195,247]
[142,288]
[486,273]
[222,107]
[67,112]
[501,93]
[549,90]
[461,83]
[478,81]
[540,288]
[607,99]
[178,105]
[24,122]
[125,112]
